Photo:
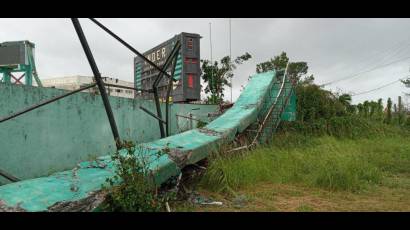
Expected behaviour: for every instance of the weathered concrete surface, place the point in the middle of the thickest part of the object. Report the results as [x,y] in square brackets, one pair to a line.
[57,136]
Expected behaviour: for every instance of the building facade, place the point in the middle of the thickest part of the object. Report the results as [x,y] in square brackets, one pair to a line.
[187,75]
[76,82]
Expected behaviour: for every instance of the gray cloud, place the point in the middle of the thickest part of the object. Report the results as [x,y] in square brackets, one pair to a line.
[333,48]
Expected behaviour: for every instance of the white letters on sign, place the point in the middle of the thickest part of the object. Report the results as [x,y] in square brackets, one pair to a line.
[157,55]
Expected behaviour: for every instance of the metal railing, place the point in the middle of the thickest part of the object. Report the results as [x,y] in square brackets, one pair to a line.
[269,113]
[271,108]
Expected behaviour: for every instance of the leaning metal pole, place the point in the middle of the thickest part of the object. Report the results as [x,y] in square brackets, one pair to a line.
[129,47]
[168,61]
[161,70]
[98,79]
[170,83]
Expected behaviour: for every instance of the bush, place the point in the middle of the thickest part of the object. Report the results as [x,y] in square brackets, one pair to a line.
[130,189]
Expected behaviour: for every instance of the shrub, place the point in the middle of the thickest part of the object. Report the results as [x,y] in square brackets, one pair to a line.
[130,189]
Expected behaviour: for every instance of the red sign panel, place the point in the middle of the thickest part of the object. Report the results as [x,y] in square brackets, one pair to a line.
[190,81]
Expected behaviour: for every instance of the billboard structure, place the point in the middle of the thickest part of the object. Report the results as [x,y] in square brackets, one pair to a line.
[187,75]
[18,57]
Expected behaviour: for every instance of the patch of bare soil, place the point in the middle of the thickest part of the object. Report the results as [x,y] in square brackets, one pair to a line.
[291,198]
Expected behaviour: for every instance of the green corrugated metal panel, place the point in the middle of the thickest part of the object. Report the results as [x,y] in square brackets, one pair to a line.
[178,68]
[182,149]
[138,72]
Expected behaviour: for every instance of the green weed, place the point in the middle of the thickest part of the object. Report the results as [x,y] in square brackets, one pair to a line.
[326,162]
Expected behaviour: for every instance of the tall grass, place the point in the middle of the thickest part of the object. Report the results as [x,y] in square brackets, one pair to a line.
[325,161]
[343,127]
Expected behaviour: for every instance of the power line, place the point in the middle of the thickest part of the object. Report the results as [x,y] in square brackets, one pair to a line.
[387,54]
[210,40]
[230,51]
[380,87]
[400,46]
[394,53]
[370,70]
[210,43]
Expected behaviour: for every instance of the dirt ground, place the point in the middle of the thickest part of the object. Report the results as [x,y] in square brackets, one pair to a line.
[392,195]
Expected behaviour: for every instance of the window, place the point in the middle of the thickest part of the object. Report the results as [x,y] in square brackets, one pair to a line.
[190,43]
[191,60]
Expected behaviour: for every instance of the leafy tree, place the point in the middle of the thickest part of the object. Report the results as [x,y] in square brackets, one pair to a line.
[308,80]
[406,82]
[400,111]
[313,102]
[371,109]
[389,112]
[360,109]
[346,100]
[278,62]
[217,76]
[380,114]
[295,69]
[407,122]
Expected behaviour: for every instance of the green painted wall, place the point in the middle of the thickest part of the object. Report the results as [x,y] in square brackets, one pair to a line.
[57,136]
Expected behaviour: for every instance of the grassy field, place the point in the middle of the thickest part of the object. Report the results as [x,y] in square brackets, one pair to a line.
[299,173]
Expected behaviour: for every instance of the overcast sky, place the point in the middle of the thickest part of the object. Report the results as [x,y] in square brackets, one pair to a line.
[333,48]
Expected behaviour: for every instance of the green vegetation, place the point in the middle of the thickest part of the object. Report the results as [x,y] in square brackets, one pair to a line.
[325,162]
[135,193]
[217,76]
[201,124]
[333,146]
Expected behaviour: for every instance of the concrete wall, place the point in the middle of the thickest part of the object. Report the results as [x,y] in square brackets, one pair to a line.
[57,136]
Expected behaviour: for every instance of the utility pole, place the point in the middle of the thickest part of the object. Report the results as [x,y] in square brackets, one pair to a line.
[210,43]
[230,52]
[210,40]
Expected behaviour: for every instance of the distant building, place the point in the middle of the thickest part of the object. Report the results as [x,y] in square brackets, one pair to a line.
[76,82]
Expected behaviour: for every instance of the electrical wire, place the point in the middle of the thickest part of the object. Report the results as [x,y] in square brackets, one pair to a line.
[397,48]
[380,87]
[391,53]
[367,71]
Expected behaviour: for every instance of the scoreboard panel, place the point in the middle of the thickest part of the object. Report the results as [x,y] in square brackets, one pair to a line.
[187,75]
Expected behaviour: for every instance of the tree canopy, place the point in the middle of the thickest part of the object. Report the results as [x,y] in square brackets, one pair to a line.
[217,76]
